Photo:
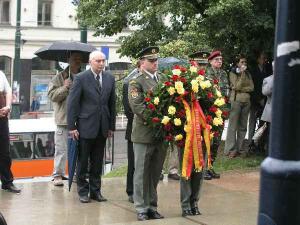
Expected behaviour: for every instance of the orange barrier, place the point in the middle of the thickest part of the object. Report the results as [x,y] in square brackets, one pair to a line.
[32,168]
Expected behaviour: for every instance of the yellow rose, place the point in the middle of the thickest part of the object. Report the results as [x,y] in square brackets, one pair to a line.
[165,120]
[200,78]
[217,121]
[205,84]
[177,122]
[171,110]
[195,86]
[219,102]
[218,113]
[156,101]
[218,93]
[186,128]
[179,87]
[171,90]
[178,137]
[193,69]
[176,72]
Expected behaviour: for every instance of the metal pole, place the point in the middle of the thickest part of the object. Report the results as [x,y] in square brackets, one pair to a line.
[16,68]
[83,34]
[280,172]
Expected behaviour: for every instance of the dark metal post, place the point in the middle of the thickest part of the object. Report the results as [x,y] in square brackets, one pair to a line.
[83,34]
[280,172]
[16,68]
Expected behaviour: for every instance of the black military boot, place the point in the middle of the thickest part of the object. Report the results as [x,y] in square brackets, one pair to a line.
[213,174]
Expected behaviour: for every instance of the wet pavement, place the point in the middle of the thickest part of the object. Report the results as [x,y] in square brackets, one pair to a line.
[231,200]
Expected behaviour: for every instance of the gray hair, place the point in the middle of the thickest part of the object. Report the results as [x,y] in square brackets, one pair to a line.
[96,53]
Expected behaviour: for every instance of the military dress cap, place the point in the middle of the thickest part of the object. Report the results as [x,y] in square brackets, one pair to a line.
[200,57]
[214,54]
[149,53]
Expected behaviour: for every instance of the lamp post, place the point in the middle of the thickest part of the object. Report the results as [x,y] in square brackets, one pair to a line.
[280,172]
[16,67]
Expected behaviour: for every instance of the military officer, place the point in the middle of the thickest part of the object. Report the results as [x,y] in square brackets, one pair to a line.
[200,58]
[149,155]
[216,74]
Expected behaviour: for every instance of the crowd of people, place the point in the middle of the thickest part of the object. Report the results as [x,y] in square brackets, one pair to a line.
[84,108]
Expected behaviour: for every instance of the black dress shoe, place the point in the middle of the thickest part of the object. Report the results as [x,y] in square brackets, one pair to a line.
[130,198]
[98,197]
[142,216]
[84,199]
[213,174]
[154,215]
[195,211]
[186,212]
[11,188]
[174,176]
[207,175]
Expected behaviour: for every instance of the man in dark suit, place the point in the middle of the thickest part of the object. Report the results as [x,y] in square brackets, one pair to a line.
[91,119]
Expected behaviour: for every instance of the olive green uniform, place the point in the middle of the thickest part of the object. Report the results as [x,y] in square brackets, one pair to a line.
[149,155]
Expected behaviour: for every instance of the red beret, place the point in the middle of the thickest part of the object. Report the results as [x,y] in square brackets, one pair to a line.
[214,54]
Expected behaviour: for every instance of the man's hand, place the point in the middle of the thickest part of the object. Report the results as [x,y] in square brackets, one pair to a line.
[4,111]
[74,134]
[67,83]
[110,133]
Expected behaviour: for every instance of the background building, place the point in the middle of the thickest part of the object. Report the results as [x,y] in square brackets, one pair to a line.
[43,22]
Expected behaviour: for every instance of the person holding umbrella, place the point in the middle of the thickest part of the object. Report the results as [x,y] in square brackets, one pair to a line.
[58,92]
[91,117]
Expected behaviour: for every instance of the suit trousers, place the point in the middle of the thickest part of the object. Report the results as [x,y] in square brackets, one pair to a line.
[130,168]
[237,126]
[91,151]
[149,159]
[190,189]
[5,159]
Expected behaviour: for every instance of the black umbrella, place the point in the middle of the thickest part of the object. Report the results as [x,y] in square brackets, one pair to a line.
[72,159]
[61,50]
[169,62]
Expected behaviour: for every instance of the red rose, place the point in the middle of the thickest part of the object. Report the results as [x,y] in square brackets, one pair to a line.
[186,93]
[225,114]
[168,83]
[151,106]
[201,72]
[176,67]
[213,109]
[147,99]
[210,95]
[183,80]
[155,120]
[178,99]
[208,119]
[168,138]
[183,69]
[226,99]
[168,127]
[175,77]
[216,134]
[180,113]
[194,63]
[216,81]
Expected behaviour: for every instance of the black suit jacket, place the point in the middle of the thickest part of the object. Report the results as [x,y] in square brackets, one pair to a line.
[88,108]
[128,112]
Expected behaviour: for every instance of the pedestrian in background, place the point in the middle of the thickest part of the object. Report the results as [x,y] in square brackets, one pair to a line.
[241,85]
[58,92]
[6,175]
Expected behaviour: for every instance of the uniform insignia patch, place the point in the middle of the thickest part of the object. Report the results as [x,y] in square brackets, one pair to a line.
[132,82]
[134,93]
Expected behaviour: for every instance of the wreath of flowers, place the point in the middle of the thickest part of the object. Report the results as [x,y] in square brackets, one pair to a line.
[188,110]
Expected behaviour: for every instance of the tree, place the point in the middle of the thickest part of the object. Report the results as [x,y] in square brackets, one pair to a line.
[230,25]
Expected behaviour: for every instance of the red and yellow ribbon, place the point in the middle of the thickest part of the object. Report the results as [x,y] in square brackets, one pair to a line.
[195,126]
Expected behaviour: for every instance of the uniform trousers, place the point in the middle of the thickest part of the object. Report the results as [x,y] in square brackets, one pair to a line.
[5,159]
[149,159]
[190,189]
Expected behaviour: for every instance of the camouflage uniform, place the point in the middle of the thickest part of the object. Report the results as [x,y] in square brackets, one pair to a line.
[223,83]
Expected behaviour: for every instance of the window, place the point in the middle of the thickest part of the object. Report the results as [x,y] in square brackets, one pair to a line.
[44,13]
[4,12]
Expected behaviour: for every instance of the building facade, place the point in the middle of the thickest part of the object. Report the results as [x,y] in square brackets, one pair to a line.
[43,22]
